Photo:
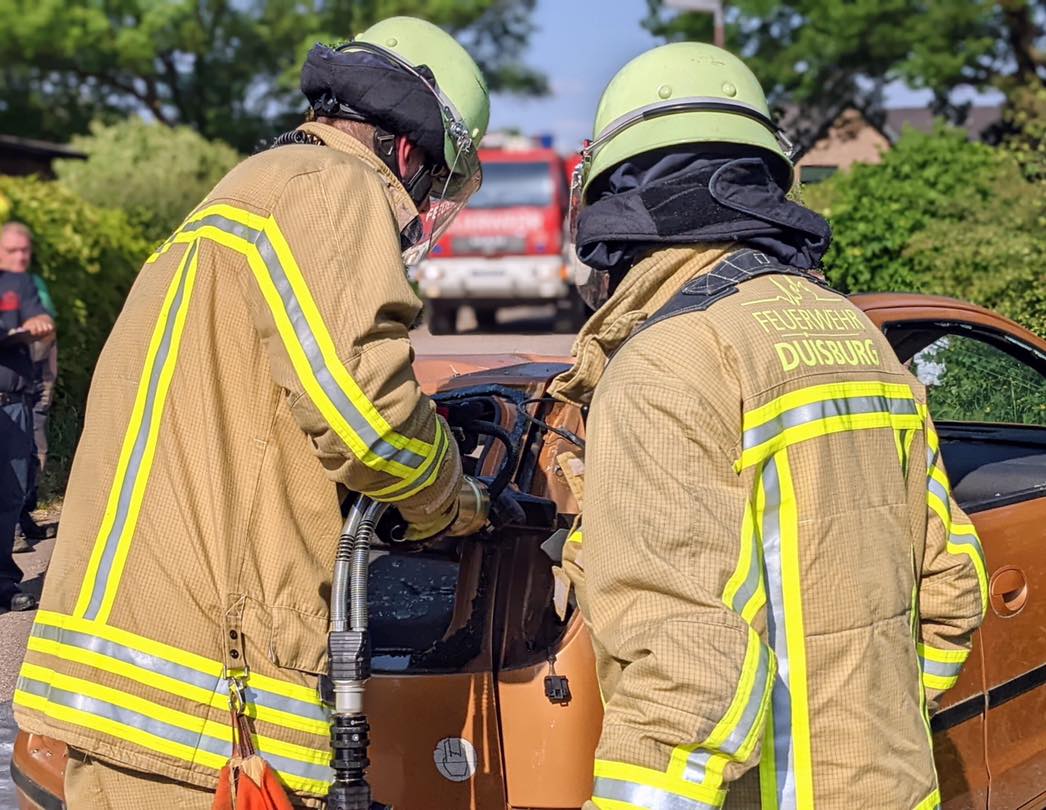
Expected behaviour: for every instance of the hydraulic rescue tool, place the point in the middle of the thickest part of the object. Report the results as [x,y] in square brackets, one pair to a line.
[468,412]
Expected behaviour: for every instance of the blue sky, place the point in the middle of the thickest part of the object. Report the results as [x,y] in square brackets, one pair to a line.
[580,45]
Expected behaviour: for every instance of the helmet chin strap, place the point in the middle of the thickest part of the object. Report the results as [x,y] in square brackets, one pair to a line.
[419,186]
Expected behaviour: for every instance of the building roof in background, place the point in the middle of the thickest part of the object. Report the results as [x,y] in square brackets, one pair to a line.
[30,147]
[922,119]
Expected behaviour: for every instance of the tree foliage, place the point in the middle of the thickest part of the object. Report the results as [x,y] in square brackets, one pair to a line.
[154,173]
[89,257]
[227,68]
[940,215]
[827,55]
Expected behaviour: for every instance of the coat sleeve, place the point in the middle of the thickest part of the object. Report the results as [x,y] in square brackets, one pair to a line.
[953,590]
[676,597]
[332,305]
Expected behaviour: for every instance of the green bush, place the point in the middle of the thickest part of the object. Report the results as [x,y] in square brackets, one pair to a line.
[157,174]
[89,257]
[940,215]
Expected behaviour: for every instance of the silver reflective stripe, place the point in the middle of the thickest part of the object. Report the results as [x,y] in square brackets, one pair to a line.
[825,409]
[751,584]
[942,670]
[697,762]
[178,672]
[162,730]
[938,489]
[968,540]
[645,796]
[130,478]
[303,332]
[782,699]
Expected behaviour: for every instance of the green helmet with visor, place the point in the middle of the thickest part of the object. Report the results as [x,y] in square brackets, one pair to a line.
[376,78]
[676,94]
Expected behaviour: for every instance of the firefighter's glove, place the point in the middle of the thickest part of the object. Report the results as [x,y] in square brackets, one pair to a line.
[467,515]
[506,511]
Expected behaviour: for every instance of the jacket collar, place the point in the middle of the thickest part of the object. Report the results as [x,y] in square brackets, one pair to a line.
[644,290]
[402,205]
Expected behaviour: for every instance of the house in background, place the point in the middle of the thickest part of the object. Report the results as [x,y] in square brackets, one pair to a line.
[24,156]
[853,139]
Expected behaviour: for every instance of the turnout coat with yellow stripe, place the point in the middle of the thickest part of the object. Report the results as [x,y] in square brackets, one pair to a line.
[260,367]
[776,577]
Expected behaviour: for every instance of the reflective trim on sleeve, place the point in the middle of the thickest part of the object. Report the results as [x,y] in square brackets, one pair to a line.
[962,537]
[735,736]
[312,352]
[650,789]
[162,729]
[821,410]
[940,668]
[931,802]
[111,546]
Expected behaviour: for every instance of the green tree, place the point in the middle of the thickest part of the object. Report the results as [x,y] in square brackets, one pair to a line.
[154,173]
[228,68]
[940,215]
[827,55]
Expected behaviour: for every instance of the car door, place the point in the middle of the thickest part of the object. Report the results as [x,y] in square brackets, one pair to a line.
[987,393]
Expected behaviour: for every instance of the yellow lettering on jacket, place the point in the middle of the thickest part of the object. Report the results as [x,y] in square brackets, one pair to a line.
[825,352]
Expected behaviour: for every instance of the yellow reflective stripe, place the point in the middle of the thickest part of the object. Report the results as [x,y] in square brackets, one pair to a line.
[768,765]
[174,686]
[638,775]
[824,427]
[424,476]
[429,453]
[575,537]
[216,730]
[819,393]
[179,656]
[98,575]
[328,349]
[116,729]
[939,681]
[931,802]
[942,656]
[974,552]
[734,737]
[793,605]
[744,592]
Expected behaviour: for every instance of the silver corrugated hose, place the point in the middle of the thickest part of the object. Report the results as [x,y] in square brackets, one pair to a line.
[360,565]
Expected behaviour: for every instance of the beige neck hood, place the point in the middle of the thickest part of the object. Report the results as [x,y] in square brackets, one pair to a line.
[645,289]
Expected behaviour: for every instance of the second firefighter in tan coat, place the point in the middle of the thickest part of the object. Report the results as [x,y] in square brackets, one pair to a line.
[260,369]
[777,580]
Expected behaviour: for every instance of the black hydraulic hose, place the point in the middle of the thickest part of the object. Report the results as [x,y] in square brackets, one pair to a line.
[563,433]
[508,465]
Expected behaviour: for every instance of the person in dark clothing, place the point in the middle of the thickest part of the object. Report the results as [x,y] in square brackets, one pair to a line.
[23,320]
[16,255]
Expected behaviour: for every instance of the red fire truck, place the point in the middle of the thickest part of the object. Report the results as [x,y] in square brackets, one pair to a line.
[507,248]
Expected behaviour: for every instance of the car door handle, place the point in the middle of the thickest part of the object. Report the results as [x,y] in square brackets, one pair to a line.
[1008,591]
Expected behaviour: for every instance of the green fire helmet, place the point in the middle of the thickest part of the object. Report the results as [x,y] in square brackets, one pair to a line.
[458,78]
[682,93]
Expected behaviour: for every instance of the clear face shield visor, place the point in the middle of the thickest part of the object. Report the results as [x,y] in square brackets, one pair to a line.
[453,183]
[593,285]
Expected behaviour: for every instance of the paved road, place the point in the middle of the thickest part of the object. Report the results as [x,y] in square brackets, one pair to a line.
[525,330]
[521,329]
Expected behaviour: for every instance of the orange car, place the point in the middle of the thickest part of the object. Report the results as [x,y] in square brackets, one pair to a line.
[484,698]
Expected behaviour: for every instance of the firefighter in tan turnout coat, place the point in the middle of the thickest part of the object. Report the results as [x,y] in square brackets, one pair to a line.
[778,582]
[260,368]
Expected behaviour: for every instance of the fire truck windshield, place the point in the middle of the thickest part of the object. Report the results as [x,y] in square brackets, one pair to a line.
[510,185]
